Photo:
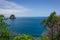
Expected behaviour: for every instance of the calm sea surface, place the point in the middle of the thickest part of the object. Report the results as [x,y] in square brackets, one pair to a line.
[27,25]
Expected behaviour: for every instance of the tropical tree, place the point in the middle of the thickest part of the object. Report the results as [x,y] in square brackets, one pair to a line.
[4,33]
[50,22]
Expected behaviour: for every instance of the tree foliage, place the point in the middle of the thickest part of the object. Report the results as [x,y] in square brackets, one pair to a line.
[4,33]
[44,38]
[23,37]
[51,21]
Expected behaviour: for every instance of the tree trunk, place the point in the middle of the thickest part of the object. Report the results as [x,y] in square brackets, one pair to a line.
[52,33]
[58,33]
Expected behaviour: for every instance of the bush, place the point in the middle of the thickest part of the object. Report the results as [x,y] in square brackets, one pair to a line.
[44,38]
[23,37]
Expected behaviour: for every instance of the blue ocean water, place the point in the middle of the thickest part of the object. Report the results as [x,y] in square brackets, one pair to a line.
[27,25]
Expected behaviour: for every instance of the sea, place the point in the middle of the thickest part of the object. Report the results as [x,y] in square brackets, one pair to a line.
[27,25]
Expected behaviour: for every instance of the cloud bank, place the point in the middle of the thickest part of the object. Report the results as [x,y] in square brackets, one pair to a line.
[7,8]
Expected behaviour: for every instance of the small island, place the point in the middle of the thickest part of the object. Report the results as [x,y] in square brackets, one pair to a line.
[12,17]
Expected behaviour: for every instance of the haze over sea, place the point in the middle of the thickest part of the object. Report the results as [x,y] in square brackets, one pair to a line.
[27,25]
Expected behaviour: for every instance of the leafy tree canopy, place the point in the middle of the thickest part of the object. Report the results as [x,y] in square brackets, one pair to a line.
[23,37]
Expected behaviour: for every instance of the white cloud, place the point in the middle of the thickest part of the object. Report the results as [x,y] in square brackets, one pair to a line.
[8,8]
[2,0]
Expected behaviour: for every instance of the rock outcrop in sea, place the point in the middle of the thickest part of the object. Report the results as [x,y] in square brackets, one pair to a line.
[12,17]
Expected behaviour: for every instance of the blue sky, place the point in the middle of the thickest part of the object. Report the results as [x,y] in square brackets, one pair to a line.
[29,8]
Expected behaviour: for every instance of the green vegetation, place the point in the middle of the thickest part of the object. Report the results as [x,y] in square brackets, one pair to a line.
[51,24]
[4,33]
[44,38]
[23,37]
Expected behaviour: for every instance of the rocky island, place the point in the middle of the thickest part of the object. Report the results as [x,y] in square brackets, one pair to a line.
[12,17]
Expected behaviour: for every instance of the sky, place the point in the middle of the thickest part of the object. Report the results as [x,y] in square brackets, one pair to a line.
[29,8]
